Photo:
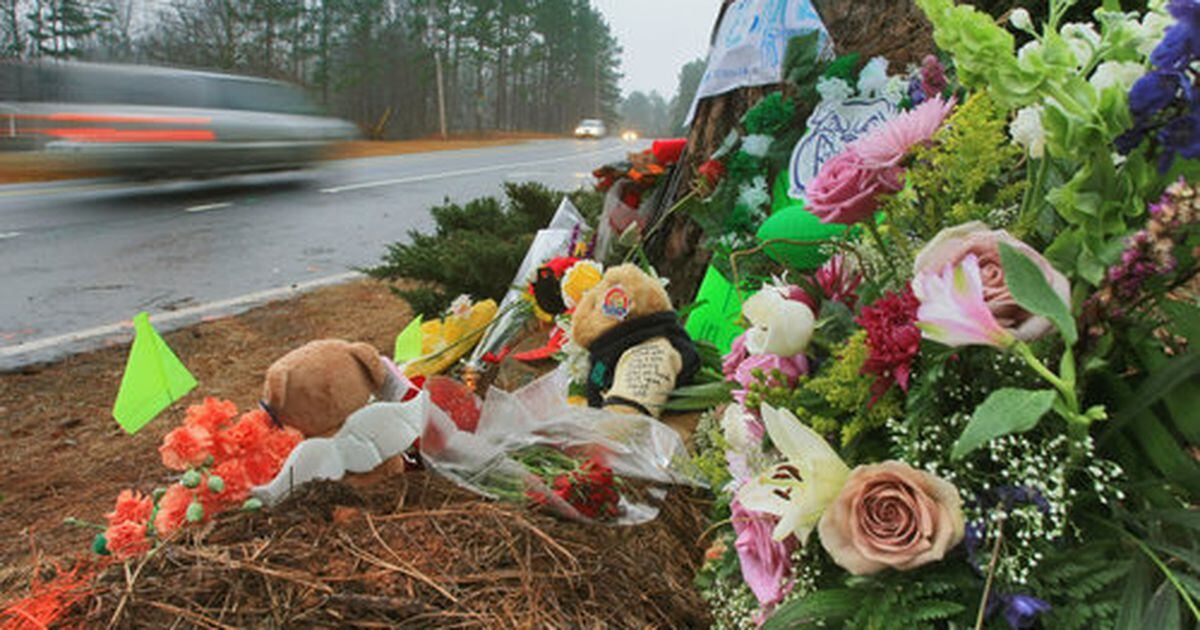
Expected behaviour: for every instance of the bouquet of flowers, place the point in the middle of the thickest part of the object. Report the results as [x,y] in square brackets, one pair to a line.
[973,415]
[569,486]
[220,457]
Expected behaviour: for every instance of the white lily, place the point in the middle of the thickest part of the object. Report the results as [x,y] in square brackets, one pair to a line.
[798,490]
[779,326]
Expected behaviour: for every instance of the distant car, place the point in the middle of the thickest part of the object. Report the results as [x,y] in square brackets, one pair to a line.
[630,136]
[145,121]
[591,128]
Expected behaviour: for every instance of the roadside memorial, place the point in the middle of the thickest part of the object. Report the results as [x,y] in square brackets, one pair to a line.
[939,374]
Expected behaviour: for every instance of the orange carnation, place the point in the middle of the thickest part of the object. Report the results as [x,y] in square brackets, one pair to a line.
[211,415]
[127,540]
[186,447]
[172,510]
[131,507]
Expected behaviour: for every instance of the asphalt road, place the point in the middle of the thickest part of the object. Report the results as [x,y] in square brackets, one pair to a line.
[79,259]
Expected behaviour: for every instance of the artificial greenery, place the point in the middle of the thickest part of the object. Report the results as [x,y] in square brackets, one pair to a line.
[476,248]
[890,600]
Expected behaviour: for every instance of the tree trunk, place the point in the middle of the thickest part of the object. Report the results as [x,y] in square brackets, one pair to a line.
[895,29]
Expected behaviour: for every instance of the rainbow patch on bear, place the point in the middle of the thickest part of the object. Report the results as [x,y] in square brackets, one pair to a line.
[617,303]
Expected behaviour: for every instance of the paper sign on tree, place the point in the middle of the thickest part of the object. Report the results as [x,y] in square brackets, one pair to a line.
[154,378]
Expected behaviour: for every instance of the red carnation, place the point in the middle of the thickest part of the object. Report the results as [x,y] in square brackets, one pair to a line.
[713,171]
[668,152]
[893,339]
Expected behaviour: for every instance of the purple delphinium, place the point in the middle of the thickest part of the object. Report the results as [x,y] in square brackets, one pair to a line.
[1020,611]
[1165,103]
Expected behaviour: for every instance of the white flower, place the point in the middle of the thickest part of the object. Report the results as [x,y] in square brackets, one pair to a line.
[576,361]
[1150,31]
[798,490]
[1083,40]
[1031,49]
[896,89]
[461,306]
[1020,19]
[755,195]
[733,426]
[757,145]
[834,89]
[873,78]
[779,326]
[1027,131]
[1122,74]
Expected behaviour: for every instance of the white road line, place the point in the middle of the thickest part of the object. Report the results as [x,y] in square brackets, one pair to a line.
[469,171]
[162,321]
[7,235]
[209,206]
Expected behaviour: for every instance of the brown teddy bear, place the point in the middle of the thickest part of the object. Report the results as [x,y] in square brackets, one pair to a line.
[315,387]
[638,350]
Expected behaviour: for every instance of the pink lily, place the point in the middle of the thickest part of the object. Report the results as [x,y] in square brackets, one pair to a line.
[953,311]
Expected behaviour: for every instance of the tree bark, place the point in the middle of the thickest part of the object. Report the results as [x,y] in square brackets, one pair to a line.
[895,29]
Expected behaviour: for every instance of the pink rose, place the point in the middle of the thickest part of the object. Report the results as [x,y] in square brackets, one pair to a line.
[846,191]
[891,515]
[952,245]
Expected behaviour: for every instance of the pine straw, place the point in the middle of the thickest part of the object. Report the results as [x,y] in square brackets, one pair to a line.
[413,551]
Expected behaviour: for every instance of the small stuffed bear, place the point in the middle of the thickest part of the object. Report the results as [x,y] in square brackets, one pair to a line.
[639,352]
[315,387]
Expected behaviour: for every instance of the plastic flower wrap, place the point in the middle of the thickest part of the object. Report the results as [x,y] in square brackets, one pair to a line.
[531,447]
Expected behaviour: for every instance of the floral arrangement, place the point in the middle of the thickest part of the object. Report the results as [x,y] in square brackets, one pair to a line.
[586,487]
[219,456]
[972,414]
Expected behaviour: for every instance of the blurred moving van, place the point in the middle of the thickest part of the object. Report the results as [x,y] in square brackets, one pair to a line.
[143,121]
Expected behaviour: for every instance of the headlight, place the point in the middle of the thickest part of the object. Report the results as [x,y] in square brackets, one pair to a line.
[629,136]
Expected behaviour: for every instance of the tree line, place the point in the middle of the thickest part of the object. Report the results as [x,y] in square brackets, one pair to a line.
[654,116]
[505,64]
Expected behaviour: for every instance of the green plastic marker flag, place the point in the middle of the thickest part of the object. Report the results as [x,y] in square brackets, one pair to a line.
[715,320]
[408,342]
[154,378]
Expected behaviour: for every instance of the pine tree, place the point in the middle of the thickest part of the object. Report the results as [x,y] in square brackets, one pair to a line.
[62,27]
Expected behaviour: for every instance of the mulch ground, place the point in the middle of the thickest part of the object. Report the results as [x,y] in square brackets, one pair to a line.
[408,549]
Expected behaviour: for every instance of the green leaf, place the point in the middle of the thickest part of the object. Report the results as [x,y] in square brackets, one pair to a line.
[1181,516]
[827,605]
[1163,611]
[1031,290]
[1134,596]
[1005,411]
[1160,383]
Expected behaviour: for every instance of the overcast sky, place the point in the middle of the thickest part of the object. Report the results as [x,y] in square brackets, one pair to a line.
[659,36]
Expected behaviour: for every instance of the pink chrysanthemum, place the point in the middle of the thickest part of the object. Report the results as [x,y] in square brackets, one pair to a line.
[887,144]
